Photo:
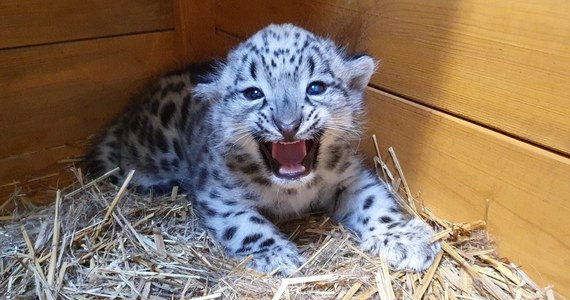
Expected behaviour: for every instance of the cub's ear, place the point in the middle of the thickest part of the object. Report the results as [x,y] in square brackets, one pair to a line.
[207,91]
[207,77]
[360,69]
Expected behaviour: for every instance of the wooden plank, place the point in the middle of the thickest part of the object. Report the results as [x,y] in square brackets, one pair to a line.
[457,166]
[224,43]
[33,22]
[195,28]
[36,176]
[343,21]
[62,93]
[502,64]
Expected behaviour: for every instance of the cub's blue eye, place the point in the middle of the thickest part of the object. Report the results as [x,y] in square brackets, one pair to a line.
[316,88]
[253,93]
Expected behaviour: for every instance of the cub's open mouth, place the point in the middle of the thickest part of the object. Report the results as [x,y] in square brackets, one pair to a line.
[290,160]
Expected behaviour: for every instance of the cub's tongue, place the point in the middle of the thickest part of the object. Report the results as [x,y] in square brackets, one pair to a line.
[289,156]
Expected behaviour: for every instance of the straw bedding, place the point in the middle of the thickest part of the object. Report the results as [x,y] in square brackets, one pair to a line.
[101,241]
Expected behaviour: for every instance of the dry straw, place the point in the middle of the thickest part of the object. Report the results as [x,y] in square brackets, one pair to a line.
[100,241]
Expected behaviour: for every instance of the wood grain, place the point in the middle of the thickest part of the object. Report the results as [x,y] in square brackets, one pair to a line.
[195,28]
[34,22]
[458,166]
[36,176]
[502,64]
[62,93]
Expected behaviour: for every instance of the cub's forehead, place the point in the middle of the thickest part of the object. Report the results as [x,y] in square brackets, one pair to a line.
[286,35]
[285,41]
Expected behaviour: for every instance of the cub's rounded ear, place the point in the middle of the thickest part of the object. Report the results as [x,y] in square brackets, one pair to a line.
[207,91]
[361,69]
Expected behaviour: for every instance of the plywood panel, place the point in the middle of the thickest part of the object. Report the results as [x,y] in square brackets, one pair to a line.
[62,93]
[502,64]
[457,166]
[32,22]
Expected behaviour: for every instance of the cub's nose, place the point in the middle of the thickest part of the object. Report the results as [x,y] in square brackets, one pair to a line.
[288,128]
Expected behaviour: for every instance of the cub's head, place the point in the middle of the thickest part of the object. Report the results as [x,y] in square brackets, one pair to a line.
[285,95]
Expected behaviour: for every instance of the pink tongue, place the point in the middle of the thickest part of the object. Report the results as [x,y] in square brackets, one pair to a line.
[290,156]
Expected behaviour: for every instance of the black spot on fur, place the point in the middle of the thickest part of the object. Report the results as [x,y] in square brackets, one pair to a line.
[253,70]
[184,111]
[250,169]
[148,159]
[202,178]
[250,196]
[395,224]
[268,242]
[335,155]
[262,181]
[231,166]
[368,202]
[344,167]
[133,151]
[243,249]
[208,211]
[214,194]
[114,157]
[338,193]
[165,164]
[154,107]
[240,158]
[292,59]
[395,210]
[229,233]
[217,176]
[230,202]
[311,66]
[166,113]
[252,238]
[385,219]
[160,141]
[256,220]
[175,163]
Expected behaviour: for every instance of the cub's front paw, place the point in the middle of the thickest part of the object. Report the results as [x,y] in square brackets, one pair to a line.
[406,245]
[285,256]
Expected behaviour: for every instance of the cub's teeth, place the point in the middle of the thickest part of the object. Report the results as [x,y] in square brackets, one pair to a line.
[294,169]
[289,143]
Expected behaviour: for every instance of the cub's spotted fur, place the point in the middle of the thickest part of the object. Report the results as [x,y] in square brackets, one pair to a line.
[270,133]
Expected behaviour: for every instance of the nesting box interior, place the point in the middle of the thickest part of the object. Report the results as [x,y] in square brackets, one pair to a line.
[473,95]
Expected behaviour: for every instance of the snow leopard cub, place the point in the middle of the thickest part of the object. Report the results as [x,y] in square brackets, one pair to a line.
[270,133]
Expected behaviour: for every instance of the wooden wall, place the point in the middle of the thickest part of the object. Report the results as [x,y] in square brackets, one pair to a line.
[473,95]
[67,67]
